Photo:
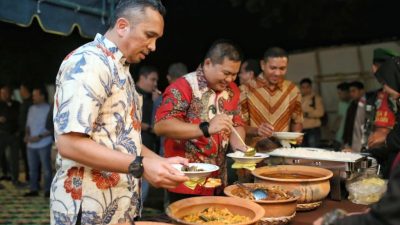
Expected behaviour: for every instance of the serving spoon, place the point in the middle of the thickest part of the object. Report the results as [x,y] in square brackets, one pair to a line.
[258,193]
[250,151]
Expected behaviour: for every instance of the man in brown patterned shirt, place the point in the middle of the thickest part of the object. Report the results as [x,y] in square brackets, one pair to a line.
[273,103]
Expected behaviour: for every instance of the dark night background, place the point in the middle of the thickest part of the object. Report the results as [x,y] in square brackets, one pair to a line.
[30,54]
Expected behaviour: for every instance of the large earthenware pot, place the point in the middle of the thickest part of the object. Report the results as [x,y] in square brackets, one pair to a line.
[236,206]
[310,184]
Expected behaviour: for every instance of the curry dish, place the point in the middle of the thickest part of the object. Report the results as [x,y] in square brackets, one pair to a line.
[274,193]
[215,216]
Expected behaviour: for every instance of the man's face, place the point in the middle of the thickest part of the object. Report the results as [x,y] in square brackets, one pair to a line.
[24,92]
[305,89]
[374,68]
[245,76]
[355,93]
[138,40]
[220,75]
[5,94]
[37,97]
[343,95]
[150,82]
[274,69]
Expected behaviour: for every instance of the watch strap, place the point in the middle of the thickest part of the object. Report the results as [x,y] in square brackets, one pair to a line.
[204,128]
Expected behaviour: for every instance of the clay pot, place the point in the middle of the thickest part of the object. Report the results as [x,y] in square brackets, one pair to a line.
[239,206]
[273,208]
[313,187]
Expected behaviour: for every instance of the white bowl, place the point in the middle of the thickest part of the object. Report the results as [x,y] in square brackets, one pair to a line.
[207,170]
[241,158]
[287,135]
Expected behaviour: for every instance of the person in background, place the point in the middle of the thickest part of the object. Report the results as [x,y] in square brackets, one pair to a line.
[249,72]
[197,115]
[355,118]
[386,210]
[273,103]
[9,110]
[175,71]
[313,111]
[39,141]
[147,87]
[248,75]
[25,92]
[380,118]
[344,103]
[97,117]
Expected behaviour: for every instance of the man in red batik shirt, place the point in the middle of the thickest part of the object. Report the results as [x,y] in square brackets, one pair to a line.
[198,112]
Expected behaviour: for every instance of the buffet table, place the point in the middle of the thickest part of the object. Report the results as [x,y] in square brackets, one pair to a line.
[307,218]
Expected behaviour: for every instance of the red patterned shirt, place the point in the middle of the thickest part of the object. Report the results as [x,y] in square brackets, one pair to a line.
[191,100]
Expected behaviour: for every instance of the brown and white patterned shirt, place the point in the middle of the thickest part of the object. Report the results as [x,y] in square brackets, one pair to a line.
[279,106]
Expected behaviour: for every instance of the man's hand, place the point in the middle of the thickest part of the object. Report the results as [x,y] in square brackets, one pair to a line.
[299,140]
[2,119]
[33,139]
[159,172]
[155,94]
[265,130]
[220,123]
[145,127]
[377,139]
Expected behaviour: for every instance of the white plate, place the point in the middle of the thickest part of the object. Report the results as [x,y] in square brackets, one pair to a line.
[287,135]
[241,158]
[208,169]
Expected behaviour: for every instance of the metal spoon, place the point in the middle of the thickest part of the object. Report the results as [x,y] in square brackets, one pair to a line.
[258,193]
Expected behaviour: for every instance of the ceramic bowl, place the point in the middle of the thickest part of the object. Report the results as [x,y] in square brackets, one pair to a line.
[243,207]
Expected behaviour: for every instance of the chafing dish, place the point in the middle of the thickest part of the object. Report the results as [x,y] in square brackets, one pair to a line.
[345,166]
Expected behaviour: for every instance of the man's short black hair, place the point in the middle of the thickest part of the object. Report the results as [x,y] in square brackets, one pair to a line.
[123,6]
[145,70]
[356,84]
[27,85]
[252,65]
[344,86]
[177,70]
[222,49]
[306,81]
[275,52]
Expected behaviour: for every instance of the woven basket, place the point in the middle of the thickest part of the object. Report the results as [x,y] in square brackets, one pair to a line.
[275,220]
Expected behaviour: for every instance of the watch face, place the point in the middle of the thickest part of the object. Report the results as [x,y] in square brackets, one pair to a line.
[136,167]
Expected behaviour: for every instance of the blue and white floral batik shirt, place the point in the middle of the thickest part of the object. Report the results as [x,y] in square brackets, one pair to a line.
[96,96]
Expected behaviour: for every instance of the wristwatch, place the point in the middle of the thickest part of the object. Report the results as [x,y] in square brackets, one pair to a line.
[204,128]
[136,167]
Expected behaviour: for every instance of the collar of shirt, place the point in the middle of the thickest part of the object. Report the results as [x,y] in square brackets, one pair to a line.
[264,83]
[201,78]
[110,49]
